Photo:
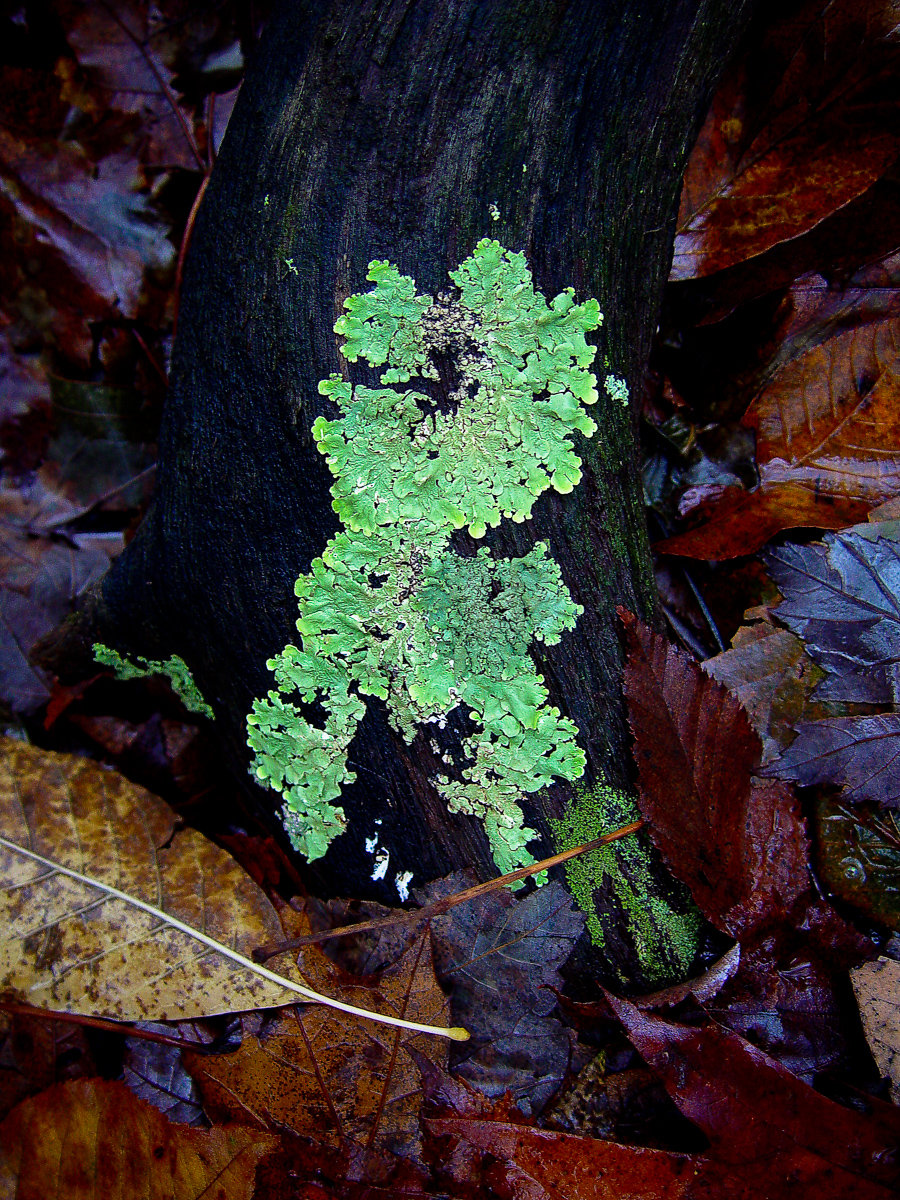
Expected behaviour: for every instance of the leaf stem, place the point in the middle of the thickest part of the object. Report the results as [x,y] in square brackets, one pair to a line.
[457,1034]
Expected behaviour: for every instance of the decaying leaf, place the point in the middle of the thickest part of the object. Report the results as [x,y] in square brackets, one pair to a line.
[858,754]
[858,857]
[326,1075]
[500,956]
[769,673]
[77,1141]
[770,1134]
[106,912]
[35,1054]
[805,151]
[842,597]
[877,987]
[491,1145]
[154,1072]
[738,843]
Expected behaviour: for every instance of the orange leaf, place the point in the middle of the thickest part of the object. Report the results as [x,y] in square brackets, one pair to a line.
[94,1138]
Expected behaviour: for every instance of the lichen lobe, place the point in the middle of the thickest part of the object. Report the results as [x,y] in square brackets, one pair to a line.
[390,609]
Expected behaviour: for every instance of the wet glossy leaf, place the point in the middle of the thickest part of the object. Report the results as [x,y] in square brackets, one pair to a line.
[327,1075]
[770,1134]
[857,754]
[500,956]
[858,858]
[789,995]
[740,522]
[877,988]
[740,845]
[539,1164]
[77,1141]
[842,597]
[821,135]
[769,673]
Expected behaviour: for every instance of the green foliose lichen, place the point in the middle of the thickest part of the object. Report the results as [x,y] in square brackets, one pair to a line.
[390,609]
[175,670]
[665,938]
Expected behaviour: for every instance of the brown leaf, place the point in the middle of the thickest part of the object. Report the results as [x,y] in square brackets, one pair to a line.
[327,1075]
[739,844]
[877,988]
[77,1141]
[67,945]
[35,1054]
[770,675]
[740,522]
[765,172]
[540,1164]
[771,1135]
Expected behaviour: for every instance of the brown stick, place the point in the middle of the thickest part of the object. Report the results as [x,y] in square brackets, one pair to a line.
[119,1027]
[262,953]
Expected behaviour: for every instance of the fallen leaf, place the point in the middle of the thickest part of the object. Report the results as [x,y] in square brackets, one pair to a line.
[500,956]
[490,1145]
[739,522]
[857,754]
[739,844]
[44,569]
[769,673]
[877,988]
[82,1140]
[328,1076]
[35,1054]
[789,995]
[842,597]
[765,171]
[155,1072]
[107,913]
[770,1134]
[858,858]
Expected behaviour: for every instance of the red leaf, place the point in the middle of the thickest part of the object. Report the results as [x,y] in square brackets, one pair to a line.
[739,845]
[772,1134]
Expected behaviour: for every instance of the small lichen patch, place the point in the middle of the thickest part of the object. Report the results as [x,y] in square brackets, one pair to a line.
[175,670]
[665,939]
[390,610]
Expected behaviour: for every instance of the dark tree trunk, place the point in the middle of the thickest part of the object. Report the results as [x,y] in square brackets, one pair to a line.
[389,130]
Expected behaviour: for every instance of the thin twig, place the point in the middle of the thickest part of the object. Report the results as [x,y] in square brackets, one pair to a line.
[439,907]
[124,1030]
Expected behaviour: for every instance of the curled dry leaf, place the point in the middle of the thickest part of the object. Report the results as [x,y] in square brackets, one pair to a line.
[77,1141]
[106,912]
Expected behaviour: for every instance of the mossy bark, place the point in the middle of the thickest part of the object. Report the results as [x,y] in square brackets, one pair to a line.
[369,130]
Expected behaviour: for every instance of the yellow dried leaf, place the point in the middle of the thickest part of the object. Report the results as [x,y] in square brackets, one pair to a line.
[105,911]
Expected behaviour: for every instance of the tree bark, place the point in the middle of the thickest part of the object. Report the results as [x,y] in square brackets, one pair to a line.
[388,131]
